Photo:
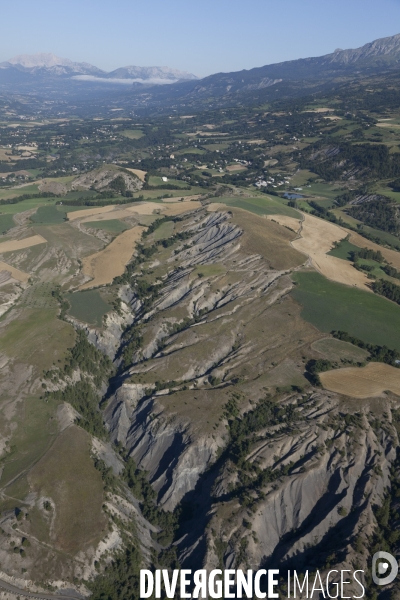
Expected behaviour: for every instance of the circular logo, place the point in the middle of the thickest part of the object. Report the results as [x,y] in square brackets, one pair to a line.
[384,564]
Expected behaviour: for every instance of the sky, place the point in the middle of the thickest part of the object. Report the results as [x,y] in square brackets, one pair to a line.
[199,36]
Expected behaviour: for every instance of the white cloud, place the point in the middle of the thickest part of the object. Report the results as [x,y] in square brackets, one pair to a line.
[154,81]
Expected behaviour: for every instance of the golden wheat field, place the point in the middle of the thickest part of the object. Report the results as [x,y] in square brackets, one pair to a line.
[391,256]
[290,222]
[139,173]
[13,245]
[103,266]
[15,273]
[317,238]
[144,208]
[89,212]
[363,382]
[172,210]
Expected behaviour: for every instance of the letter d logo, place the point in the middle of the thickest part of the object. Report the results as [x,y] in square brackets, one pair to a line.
[381,568]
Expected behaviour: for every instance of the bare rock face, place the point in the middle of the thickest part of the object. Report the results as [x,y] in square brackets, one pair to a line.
[214,406]
[106,178]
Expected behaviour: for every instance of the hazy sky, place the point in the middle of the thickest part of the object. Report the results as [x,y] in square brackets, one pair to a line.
[201,36]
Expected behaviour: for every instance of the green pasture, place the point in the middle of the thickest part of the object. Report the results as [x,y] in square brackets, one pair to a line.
[88,307]
[333,306]
[383,236]
[113,225]
[157,181]
[322,189]
[34,433]
[132,134]
[156,194]
[344,249]
[386,191]
[49,215]
[189,151]
[209,270]
[326,203]
[164,231]
[6,223]
[336,350]
[301,178]
[216,146]
[13,209]
[15,192]
[260,205]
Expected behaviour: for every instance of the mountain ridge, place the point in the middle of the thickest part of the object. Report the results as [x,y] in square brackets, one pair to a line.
[49,64]
[146,85]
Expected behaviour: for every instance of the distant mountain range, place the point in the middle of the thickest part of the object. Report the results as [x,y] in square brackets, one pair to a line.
[46,66]
[380,54]
[63,78]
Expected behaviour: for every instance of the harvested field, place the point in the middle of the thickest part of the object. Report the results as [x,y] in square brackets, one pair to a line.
[391,256]
[103,266]
[368,381]
[207,134]
[15,273]
[391,125]
[317,238]
[290,222]
[122,213]
[139,173]
[89,212]
[319,110]
[13,245]
[146,208]
[172,210]
[233,168]
[214,206]
[5,155]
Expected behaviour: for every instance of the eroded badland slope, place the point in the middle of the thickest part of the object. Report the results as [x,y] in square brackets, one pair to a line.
[210,447]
